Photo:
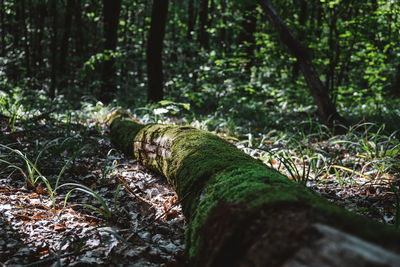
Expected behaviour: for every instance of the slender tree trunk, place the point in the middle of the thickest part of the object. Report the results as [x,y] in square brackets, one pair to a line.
[111,11]
[242,213]
[54,50]
[191,19]
[326,109]
[65,44]
[203,36]
[154,50]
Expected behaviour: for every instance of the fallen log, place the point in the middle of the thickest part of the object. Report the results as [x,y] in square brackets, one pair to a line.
[242,213]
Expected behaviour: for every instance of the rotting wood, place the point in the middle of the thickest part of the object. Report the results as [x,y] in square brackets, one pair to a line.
[242,213]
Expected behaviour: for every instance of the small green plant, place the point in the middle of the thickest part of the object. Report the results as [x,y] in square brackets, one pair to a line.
[31,168]
[33,173]
[291,162]
[106,169]
[71,159]
[104,210]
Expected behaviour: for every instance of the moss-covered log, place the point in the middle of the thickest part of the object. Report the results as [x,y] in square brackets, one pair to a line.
[242,213]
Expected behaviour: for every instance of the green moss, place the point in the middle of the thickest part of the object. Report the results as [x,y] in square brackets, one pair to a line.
[251,184]
[206,171]
[123,133]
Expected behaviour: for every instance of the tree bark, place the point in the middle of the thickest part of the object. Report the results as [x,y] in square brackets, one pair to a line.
[111,11]
[154,50]
[203,36]
[242,213]
[191,19]
[326,109]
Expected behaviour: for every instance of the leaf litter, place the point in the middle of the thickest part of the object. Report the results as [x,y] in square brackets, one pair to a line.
[146,225]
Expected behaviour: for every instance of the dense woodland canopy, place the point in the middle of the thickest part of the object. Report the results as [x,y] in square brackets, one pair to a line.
[209,53]
[309,87]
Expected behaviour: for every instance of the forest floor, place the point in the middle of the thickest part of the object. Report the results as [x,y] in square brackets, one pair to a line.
[117,212]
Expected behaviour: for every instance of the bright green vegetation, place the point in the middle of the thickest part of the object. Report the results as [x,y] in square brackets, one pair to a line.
[225,70]
[50,151]
[245,75]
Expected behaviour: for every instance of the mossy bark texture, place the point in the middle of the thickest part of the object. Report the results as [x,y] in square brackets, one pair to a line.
[242,213]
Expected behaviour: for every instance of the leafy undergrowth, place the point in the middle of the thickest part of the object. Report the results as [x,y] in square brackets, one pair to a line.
[68,198]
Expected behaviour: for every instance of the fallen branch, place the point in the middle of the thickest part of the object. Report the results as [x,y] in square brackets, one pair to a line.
[242,213]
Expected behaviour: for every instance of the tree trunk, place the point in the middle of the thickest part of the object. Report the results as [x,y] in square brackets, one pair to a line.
[111,10]
[326,109]
[154,50]
[242,213]
[191,19]
[203,36]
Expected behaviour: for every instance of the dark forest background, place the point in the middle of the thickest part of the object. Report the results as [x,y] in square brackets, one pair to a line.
[309,87]
[219,56]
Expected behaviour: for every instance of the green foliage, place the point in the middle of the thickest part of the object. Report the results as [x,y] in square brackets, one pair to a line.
[105,210]
[31,169]
[244,84]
